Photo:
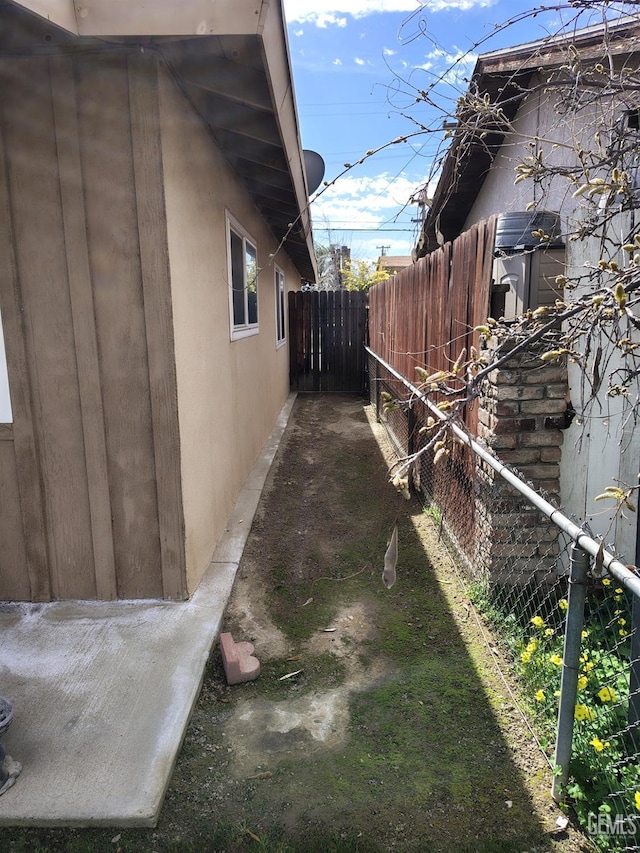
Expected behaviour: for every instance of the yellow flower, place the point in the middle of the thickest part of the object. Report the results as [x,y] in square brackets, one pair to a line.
[582,682]
[599,745]
[588,666]
[556,693]
[584,635]
[539,696]
[525,657]
[606,581]
[607,695]
[637,800]
[623,632]
[556,659]
[618,591]
[584,713]
[532,645]
[537,621]
[549,632]
[563,604]
[622,621]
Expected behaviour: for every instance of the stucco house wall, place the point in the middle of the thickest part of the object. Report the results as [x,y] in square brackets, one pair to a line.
[535,119]
[229,392]
[604,448]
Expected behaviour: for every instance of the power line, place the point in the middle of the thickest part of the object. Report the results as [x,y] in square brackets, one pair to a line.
[343,104]
[305,115]
[376,223]
[370,230]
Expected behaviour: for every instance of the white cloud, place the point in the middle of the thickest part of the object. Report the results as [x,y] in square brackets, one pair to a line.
[462,5]
[337,61]
[326,19]
[323,13]
[359,61]
[388,52]
[459,57]
[357,210]
[454,67]
[362,201]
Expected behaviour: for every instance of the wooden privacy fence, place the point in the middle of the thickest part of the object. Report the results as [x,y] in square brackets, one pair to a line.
[326,341]
[424,317]
[426,314]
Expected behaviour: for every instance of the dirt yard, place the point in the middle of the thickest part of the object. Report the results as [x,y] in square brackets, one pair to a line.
[380,721]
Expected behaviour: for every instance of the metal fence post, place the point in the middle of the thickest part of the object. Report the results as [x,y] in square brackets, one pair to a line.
[374,377]
[570,666]
[634,675]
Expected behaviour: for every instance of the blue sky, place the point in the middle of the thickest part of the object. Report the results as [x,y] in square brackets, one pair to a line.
[354,65]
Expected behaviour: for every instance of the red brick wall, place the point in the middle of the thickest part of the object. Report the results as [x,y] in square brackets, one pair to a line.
[519,418]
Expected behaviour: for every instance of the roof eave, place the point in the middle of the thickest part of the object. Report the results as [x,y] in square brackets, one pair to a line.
[467,163]
[502,73]
[231,59]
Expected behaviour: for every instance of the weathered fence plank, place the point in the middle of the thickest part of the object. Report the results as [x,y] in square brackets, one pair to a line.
[426,314]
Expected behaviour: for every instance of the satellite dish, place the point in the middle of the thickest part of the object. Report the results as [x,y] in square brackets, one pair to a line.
[314,169]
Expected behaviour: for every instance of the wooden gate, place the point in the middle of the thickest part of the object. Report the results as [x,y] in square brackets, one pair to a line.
[327,332]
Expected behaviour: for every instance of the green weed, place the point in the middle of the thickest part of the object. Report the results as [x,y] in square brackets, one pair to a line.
[604,775]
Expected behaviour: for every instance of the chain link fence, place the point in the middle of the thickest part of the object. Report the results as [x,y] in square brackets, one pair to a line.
[516,565]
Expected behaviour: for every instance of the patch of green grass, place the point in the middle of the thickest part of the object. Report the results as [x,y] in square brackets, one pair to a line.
[16,840]
[303,621]
[301,609]
[316,672]
[411,757]
[434,512]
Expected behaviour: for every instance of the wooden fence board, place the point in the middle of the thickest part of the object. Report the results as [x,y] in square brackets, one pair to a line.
[427,313]
[327,337]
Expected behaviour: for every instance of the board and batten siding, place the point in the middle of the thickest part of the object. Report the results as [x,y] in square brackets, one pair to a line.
[89,468]
[135,419]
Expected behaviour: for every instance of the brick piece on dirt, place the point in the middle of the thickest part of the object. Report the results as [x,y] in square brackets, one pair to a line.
[240,665]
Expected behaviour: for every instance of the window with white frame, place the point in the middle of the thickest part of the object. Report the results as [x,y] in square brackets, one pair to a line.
[281,329]
[242,257]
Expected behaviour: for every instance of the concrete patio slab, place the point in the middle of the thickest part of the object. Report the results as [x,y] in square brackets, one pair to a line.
[103,692]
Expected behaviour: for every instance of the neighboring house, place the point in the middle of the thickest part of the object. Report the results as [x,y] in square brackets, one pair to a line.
[477,180]
[153,217]
[392,264]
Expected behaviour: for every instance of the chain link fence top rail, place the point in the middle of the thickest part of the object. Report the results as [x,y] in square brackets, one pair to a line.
[515,564]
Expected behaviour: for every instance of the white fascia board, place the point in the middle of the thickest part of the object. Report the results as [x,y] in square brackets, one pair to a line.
[150,17]
[280,79]
[59,12]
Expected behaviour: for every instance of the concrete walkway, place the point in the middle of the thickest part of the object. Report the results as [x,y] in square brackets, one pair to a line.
[103,692]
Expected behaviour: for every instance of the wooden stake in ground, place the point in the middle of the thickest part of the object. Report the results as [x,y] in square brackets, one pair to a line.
[391,560]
